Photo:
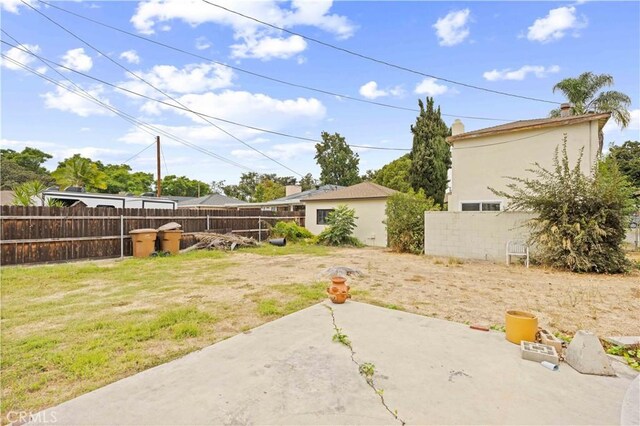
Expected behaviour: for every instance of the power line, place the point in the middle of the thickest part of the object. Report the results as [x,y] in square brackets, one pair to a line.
[255,74]
[127,117]
[139,152]
[164,159]
[157,89]
[379,61]
[183,108]
[136,122]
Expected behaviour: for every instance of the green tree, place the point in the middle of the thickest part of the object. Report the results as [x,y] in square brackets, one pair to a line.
[581,220]
[268,190]
[308,182]
[405,221]
[585,95]
[338,163]
[182,186]
[79,171]
[627,156]
[256,187]
[394,175]
[120,179]
[430,153]
[24,166]
[341,224]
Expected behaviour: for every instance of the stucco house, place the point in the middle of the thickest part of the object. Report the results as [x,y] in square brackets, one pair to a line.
[475,225]
[367,199]
[483,158]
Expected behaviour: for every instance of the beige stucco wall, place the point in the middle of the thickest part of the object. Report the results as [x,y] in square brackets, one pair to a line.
[473,235]
[370,212]
[484,162]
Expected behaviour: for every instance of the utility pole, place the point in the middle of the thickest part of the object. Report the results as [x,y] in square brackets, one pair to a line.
[159,183]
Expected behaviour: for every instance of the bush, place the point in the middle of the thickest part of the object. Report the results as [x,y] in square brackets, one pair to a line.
[342,222]
[581,220]
[291,231]
[405,221]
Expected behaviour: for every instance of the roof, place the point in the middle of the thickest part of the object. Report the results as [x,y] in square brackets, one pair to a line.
[210,200]
[537,123]
[308,193]
[74,194]
[6,198]
[177,198]
[361,190]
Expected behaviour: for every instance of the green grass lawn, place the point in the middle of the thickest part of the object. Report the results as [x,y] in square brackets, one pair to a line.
[71,328]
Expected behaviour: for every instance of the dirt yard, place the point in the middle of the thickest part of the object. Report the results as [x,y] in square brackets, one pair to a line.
[467,291]
[70,328]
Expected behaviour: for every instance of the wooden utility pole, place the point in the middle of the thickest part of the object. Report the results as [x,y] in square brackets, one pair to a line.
[159,184]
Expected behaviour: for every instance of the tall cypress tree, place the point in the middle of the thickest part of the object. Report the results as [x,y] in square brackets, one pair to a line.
[430,154]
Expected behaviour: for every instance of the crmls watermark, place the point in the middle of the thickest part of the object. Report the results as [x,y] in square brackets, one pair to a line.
[21,417]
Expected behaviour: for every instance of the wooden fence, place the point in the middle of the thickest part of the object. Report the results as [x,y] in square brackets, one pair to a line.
[54,234]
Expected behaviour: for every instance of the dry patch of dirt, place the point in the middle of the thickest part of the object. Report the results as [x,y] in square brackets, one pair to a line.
[463,291]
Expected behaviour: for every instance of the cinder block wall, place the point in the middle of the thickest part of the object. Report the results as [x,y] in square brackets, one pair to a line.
[473,235]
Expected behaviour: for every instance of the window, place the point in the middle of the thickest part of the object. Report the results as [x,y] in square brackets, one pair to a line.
[487,206]
[321,216]
[470,207]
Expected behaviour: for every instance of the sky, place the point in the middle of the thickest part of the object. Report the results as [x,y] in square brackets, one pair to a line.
[521,48]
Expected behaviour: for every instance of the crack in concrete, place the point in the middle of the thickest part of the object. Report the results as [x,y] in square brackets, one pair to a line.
[369,380]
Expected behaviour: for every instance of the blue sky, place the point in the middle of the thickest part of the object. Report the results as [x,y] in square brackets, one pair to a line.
[517,47]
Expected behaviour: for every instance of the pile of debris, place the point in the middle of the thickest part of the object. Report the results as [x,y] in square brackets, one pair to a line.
[210,240]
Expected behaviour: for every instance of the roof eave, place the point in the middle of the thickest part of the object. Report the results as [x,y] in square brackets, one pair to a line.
[602,119]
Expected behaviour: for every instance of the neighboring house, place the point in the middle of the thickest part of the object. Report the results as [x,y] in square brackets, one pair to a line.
[475,225]
[292,201]
[74,198]
[368,199]
[210,201]
[483,158]
[6,198]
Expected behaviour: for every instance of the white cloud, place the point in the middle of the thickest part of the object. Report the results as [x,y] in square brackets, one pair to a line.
[612,128]
[202,43]
[193,78]
[130,56]
[554,26]
[453,29]
[266,48]
[18,54]
[311,13]
[245,107]
[281,152]
[370,90]
[77,60]
[430,87]
[520,74]
[65,100]
[13,5]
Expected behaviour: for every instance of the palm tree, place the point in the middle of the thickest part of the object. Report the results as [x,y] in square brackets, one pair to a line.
[585,97]
[79,171]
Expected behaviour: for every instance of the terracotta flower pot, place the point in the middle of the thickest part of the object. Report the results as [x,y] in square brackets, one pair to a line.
[338,291]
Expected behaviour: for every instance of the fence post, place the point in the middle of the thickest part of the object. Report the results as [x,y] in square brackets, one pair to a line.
[259,229]
[121,236]
[208,227]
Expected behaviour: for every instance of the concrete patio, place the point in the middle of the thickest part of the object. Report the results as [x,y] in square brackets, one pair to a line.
[290,372]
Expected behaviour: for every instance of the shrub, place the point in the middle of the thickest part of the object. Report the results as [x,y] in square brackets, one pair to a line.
[291,231]
[581,220]
[405,221]
[342,222]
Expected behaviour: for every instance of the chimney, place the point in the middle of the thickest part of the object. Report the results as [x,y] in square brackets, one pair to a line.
[292,189]
[565,110]
[457,127]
